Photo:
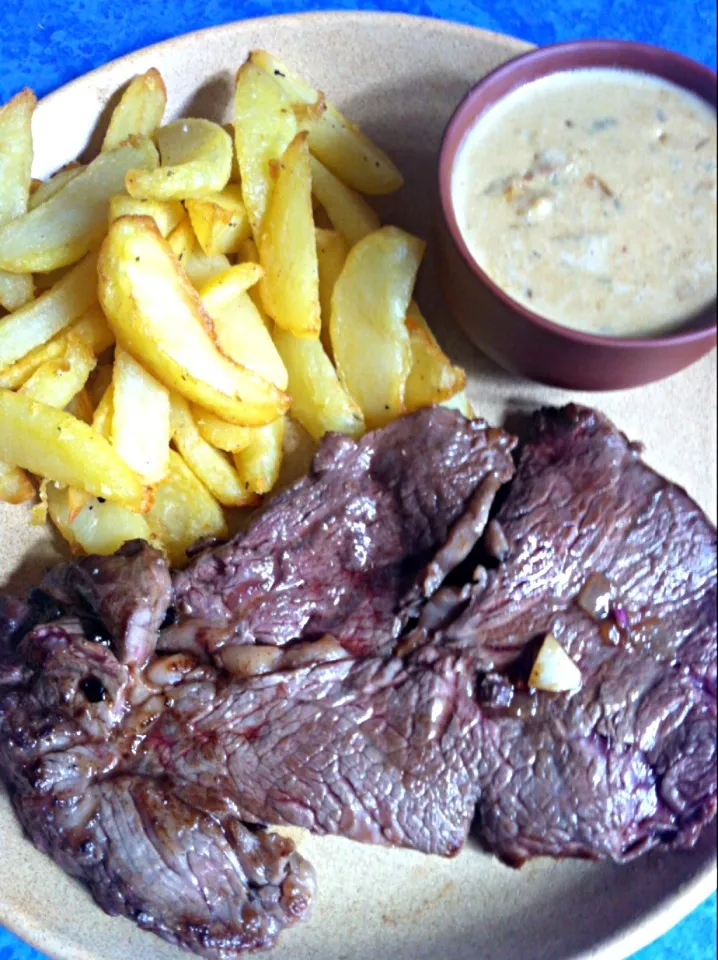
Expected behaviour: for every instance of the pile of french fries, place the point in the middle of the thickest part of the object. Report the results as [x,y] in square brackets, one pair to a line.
[184,317]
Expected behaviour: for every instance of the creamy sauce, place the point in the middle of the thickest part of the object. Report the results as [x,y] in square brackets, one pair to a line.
[590,197]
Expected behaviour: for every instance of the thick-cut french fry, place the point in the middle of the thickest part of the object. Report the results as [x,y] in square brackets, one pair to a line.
[235,176]
[15,163]
[196,159]
[62,230]
[140,418]
[201,269]
[184,511]
[91,329]
[372,348]
[58,381]
[219,433]
[264,126]
[211,466]
[348,211]
[48,188]
[15,485]
[182,240]
[197,266]
[258,464]
[39,321]
[81,406]
[158,317]
[433,378]
[337,142]
[332,251]
[167,214]
[53,444]
[248,253]
[241,333]
[219,220]
[102,418]
[287,247]
[77,500]
[96,527]
[16,289]
[15,154]
[140,110]
[319,401]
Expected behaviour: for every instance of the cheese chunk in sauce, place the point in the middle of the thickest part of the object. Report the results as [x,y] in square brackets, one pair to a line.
[589,196]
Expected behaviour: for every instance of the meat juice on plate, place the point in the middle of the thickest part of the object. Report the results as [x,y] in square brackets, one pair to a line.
[589,196]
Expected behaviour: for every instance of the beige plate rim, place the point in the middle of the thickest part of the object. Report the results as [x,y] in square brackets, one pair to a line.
[688,896]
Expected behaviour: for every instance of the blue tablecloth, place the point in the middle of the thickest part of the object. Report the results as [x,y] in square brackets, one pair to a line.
[45,44]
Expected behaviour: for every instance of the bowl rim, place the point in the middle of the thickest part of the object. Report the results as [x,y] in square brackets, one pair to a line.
[452,141]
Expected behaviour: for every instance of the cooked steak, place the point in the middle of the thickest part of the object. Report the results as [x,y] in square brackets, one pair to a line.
[342,551]
[375,750]
[629,761]
[128,594]
[292,697]
[179,861]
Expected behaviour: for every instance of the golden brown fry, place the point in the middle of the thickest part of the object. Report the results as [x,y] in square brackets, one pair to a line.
[158,317]
[39,321]
[372,348]
[104,411]
[220,220]
[287,247]
[56,382]
[219,433]
[348,211]
[53,444]
[241,332]
[63,229]
[433,378]
[140,418]
[48,188]
[139,112]
[258,463]
[264,126]
[319,401]
[97,527]
[196,159]
[332,251]
[337,142]
[184,512]
[15,163]
[167,214]
[211,466]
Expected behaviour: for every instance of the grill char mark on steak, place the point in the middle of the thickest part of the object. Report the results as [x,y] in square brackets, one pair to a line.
[341,551]
[627,762]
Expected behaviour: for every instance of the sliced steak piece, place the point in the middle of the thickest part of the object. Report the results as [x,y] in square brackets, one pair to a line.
[342,552]
[628,762]
[177,861]
[375,750]
[128,593]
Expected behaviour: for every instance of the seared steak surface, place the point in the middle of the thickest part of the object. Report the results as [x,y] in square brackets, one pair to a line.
[629,761]
[342,551]
[147,756]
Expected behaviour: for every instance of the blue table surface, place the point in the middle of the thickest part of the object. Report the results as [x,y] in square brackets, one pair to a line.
[43,45]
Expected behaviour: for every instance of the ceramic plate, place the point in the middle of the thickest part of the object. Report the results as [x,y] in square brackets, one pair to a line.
[399,77]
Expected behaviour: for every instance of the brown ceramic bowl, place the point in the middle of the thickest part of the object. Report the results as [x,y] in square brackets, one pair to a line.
[518,339]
